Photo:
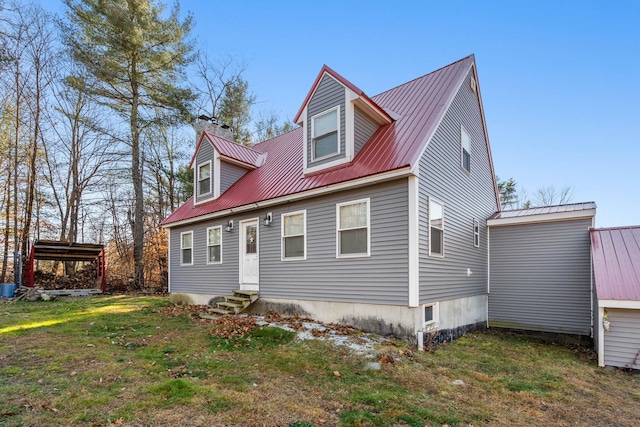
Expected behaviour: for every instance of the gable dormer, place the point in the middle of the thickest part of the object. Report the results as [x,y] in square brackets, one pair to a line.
[218,163]
[337,120]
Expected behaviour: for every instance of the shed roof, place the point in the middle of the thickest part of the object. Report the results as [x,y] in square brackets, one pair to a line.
[417,106]
[543,213]
[65,251]
[616,262]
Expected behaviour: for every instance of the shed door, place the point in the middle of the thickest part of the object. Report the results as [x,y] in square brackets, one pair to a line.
[249,258]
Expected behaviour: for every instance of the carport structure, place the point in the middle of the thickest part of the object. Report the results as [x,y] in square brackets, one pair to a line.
[65,251]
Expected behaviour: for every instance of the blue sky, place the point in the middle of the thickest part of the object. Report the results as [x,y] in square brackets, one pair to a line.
[560,80]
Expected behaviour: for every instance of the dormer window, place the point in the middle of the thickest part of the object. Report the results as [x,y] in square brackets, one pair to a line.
[326,134]
[204,178]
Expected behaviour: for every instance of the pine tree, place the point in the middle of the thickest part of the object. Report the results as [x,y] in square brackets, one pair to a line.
[135,59]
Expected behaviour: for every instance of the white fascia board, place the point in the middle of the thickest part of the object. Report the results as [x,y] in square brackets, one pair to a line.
[612,303]
[356,183]
[558,216]
[414,253]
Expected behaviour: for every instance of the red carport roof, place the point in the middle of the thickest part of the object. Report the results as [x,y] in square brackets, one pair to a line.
[417,106]
[616,262]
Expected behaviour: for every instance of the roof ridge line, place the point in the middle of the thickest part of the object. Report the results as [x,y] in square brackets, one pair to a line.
[424,75]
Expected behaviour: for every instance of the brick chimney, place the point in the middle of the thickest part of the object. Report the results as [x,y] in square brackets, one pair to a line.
[210,124]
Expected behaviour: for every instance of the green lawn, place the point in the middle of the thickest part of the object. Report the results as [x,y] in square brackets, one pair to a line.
[122,360]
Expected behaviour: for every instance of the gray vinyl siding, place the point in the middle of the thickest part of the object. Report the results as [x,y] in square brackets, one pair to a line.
[381,278]
[329,94]
[465,197]
[205,153]
[622,342]
[541,277]
[203,278]
[229,174]
[364,128]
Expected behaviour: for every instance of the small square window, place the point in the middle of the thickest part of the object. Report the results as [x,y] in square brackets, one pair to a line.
[325,134]
[465,142]
[428,313]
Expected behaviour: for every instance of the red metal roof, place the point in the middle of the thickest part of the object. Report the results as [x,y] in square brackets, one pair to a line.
[616,262]
[231,150]
[417,106]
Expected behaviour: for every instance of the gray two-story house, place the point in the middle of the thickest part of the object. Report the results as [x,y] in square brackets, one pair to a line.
[373,212]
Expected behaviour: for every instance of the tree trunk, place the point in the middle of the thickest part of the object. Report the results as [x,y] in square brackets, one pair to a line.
[7,217]
[136,175]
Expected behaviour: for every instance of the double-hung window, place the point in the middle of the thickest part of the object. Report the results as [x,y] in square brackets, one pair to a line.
[436,228]
[294,239]
[186,248]
[353,228]
[204,178]
[325,134]
[465,150]
[214,245]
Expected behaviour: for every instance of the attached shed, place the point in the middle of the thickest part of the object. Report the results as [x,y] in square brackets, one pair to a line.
[540,269]
[616,265]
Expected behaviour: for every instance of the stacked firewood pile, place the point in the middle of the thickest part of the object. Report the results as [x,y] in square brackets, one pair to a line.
[85,278]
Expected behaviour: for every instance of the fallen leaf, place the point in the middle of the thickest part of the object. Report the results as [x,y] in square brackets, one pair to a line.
[336,374]
[73,374]
[119,421]
[90,345]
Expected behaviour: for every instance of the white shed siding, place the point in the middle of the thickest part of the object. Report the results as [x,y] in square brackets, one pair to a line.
[622,341]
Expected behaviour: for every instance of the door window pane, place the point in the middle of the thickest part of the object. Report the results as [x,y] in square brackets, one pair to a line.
[251,239]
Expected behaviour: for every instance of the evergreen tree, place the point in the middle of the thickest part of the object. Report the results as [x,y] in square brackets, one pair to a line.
[135,59]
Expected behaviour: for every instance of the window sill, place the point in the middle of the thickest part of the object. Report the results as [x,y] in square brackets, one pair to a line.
[362,255]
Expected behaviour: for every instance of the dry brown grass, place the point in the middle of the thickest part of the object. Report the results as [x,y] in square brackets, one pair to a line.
[121,361]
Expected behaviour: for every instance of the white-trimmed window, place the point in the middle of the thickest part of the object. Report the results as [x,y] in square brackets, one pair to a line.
[476,233]
[186,248]
[465,149]
[325,134]
[204,178]
[294,236]
[353,228]
[214,245]
[431,313]
[436,228]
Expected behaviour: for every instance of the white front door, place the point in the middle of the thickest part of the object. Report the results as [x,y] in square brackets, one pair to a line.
[249,260]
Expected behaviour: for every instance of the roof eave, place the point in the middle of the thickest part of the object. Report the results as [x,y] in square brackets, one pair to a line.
[314,192]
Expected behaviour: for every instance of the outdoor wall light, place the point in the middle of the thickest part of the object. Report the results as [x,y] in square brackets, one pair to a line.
[268,219]
[229,226]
